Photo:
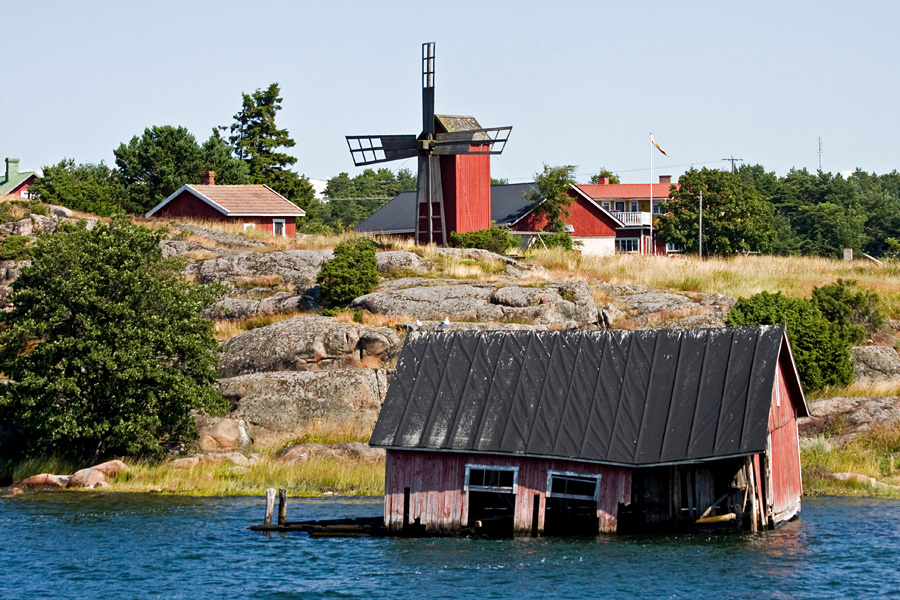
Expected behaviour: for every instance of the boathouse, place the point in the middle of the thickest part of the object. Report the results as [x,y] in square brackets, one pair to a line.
[586,432]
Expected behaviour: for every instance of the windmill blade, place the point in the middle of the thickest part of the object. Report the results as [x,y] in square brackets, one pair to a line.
[491,140]
[371,149]
[428,88]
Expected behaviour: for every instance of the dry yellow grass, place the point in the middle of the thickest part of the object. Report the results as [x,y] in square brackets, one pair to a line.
[741,276]
[227,329]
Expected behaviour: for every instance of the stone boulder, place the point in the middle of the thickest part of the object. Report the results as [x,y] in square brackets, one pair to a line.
[192,250]
[564,304]
[395,261]
[874,364]
[304,343]
[44,481]
[88,478]
[223,434]
[188,462]
[281,401]
[112,468]
[351,451]
[281,302]
[843,418]
[299,267]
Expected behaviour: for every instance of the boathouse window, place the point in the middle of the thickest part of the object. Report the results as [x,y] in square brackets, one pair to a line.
[488,478]
[563,484]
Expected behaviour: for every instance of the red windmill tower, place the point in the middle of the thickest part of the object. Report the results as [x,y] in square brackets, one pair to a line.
[454,177]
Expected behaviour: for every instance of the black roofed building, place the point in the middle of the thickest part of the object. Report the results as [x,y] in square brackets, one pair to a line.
[532,433]
[508,206]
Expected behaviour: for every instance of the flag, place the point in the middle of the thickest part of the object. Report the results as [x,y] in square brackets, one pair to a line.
[652,141]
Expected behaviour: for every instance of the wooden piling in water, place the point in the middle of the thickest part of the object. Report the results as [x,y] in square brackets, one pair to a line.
[282,507]
[270,505]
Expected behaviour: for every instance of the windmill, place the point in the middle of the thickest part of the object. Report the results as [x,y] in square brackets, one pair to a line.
[461,136]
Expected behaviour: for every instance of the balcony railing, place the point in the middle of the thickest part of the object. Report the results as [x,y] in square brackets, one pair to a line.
[634,218]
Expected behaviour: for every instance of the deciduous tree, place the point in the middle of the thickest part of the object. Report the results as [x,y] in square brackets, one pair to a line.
[106,350]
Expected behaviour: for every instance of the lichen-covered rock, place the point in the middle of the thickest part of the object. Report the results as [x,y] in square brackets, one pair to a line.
[299,267]
[304,343]
[284,400]
[111,468]
[278,303]
[395,261]
[873,364]
[221,237]
[565,304]
[222,434]
[842,418]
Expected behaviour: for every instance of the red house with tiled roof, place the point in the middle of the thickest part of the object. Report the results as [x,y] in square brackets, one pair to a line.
[253,205]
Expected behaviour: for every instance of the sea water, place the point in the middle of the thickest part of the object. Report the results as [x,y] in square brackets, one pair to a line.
[85,545]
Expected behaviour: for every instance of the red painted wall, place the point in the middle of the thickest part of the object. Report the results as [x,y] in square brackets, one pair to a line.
[586,219]
[787,485]
[466,185]
[437,480]
[17,191]
[188,206]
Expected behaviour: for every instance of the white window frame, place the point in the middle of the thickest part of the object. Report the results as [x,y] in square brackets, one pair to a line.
[605,205]
[634,206]
[283,227]
[658,209]
[491,488]
[636,241]
[616,206]
[253,226]
[573,475]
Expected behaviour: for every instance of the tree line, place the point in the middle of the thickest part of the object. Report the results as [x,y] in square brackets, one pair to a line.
[149,167]
[801,213]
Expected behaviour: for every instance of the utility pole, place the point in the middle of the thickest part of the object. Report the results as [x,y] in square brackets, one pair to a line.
[700,245]
[733,160]
[820,154]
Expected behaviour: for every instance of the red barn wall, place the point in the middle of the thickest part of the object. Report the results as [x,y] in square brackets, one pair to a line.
[188,206]
[437,496]
[466,185]
[22,187]
[787,485]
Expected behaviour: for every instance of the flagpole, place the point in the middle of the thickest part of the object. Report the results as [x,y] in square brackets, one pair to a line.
[651,188]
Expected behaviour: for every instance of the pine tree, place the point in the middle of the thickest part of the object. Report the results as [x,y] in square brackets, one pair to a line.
[257,140]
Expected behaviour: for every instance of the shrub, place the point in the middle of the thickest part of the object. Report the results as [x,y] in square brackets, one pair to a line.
[495,239]
[15,247]
[856,312]
[353,272]
[821,348]
[560,239]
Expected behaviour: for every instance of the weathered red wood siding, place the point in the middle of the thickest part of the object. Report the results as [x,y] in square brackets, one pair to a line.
[585,218]
[186,205]
[466,185]
[787,486]
[437,496]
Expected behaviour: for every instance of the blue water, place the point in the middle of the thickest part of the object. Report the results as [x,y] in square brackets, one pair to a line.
[122,546]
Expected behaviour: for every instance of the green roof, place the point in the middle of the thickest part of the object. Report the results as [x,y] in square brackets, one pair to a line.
[12,178]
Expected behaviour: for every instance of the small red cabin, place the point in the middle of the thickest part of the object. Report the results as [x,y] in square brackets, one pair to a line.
[253,205]
[587,432]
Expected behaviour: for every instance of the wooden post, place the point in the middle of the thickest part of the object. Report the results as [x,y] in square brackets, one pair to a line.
[282,507]
[751,481]
[270,505]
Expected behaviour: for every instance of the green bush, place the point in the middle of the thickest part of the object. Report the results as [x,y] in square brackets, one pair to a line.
[855,311]
[351,273]
[496,239]
[107,352]
[15,247]
[821,348]
[560,239]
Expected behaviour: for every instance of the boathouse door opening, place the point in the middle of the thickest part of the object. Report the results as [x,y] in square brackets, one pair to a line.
[572,500]
[492,498]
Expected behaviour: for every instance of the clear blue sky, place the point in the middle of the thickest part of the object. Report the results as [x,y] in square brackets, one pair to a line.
[582,83]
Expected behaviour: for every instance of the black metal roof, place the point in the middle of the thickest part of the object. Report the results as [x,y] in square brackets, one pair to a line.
[508,205]
[620,397]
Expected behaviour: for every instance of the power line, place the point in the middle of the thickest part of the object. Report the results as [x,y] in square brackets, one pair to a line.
[733,160]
